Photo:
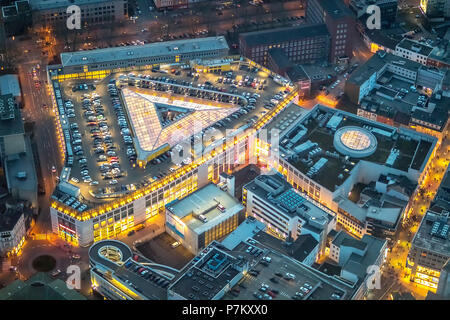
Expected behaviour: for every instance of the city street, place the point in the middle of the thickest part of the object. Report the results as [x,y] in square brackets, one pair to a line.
[395,277]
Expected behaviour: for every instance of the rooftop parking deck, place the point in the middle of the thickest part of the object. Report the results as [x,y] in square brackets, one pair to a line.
[103,120]
[273,276]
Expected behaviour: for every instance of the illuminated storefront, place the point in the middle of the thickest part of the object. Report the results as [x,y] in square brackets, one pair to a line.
[426,277]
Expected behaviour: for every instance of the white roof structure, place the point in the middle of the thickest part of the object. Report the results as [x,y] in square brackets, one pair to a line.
[9,84]
[142,107]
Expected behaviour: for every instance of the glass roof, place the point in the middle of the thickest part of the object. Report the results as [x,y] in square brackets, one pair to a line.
[147,124]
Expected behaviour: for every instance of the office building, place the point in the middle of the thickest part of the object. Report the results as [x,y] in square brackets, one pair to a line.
[279,63]
[120,58]
[170,4]
[354,256]
[205,215]
[341,25]
[213,274]
[12,227]
[435,10]
[287,214]
[301,44]
[54,12]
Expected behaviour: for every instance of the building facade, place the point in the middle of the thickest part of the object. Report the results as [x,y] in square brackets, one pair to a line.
[435,10]
[413,50]
[55,13]
[430,250]
[107,220]
[205,215]
[317,187]
[12,231]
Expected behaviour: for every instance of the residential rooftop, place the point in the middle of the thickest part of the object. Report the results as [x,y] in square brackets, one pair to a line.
[415,46]
[9,84]
[438,117]
[441,52]
[55,4]
[9,218]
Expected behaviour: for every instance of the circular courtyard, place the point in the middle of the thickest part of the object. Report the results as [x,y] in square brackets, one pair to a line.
[44,263]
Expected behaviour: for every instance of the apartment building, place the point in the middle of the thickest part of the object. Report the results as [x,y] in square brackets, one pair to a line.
[382,67]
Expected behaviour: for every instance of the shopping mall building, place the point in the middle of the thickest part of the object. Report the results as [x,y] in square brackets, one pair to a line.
[97,220]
